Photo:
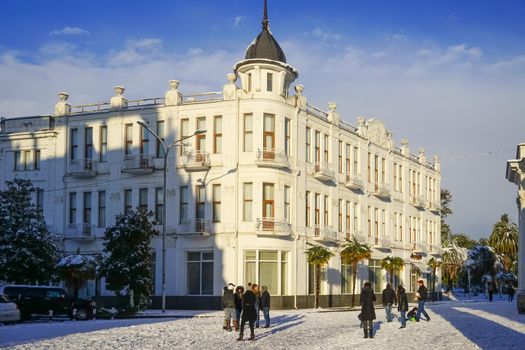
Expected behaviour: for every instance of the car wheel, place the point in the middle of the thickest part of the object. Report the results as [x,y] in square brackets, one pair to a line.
[82,314]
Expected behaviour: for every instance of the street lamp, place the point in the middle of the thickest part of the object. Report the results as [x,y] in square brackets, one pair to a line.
[165,151]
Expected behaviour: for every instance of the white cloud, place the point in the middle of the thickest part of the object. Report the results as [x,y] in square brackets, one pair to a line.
[69,31]
[325,36]
[136,51]
[237,20]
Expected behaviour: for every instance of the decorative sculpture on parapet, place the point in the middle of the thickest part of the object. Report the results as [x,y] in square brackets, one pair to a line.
[404,147]
[118,101]
[437,164]
[229,90]
[422,156]
[390,140]
[173,97]
[333,116]
[300,100]
[62,108]
[361,126]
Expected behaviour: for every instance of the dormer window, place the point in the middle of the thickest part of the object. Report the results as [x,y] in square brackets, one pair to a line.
[269,82]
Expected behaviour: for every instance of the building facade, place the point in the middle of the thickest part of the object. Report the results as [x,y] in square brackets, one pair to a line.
[271,174]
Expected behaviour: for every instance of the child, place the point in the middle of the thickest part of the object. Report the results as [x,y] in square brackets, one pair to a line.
[412,314]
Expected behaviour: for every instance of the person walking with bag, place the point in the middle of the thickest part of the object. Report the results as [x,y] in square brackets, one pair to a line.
[248,312]
[368,313]
[265,306]
[402,305]
[422,296]
[389,298]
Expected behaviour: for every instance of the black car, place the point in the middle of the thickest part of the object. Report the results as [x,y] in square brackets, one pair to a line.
[39,300]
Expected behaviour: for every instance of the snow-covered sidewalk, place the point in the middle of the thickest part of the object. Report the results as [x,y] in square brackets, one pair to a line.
[454,325]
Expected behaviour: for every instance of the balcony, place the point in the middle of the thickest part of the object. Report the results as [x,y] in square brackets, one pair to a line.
[375,241]
[435,249]
[202,226]
[323,172]
[397,244]
[197,227]
[325,234]
[418,248]
[82,167]
[138,164]
[273,227]
[418,202]
[435,207]
[271,158]
[196,161]
[354,182]
[80,232]
[382,191]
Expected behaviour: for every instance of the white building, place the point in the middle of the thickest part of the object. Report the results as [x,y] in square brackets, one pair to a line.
[271,174]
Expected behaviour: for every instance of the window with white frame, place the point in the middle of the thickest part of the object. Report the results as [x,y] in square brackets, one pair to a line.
[287,204]
[247,208]
[268,268]
[199,272]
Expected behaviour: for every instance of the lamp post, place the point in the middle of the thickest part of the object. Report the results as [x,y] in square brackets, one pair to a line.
[165,151]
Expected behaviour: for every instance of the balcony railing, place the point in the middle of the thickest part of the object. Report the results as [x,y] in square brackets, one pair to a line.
[196,161]
[138,164]
[354,182]
[397,244]
[324,233]
[382,191]
[80,231]
[82,167]
[272,226]
[269,157]
[418,202]
[435,206]
[374,241]
[322,171]
[418,248]
[202,226]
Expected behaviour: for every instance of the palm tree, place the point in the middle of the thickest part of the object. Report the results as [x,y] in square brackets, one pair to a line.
[434,264]
[355,252]
[452,260]
[392,264]
[318,256]
[504,240]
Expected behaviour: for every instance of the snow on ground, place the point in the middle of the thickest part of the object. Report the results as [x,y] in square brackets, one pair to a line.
[454,325]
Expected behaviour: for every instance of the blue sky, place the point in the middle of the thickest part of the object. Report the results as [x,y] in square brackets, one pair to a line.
[448,75]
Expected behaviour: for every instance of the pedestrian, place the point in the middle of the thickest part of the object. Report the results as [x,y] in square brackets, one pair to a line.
[389,298]
[422,296]
[239,291]
[490,290]
[411,316]
[368,313]
[257,303]
[265,306]
[228,305]
[402,305]
[248,312]
[512,290]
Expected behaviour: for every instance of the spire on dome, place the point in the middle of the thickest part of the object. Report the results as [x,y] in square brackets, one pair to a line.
[265,17]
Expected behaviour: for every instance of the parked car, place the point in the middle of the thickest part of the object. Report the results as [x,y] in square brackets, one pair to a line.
[39,300]
[9,312]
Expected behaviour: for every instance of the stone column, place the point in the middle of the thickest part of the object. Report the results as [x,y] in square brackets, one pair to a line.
[520,298]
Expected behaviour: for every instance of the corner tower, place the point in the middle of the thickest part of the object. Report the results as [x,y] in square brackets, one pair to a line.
[264,69]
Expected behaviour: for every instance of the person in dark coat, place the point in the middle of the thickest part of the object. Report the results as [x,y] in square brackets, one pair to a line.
[368,313]
[228,305]
[265,306]
[239,291]
[248,312]
[490,290]
[402,305]
[512,290]
[422,296]
[389,298]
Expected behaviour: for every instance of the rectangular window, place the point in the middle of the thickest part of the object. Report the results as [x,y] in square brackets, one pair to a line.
[376,224]
[128,139]
[102,209]
[355,160]
[287,204]
[396,183]
[73,208]
[217,136]
[340,218]
[88,143]
[383,223]
[308,145]
[326,148]
[216,203]
[200,202]
[143,198]
[347,160]
[200,273]
[159,205]
[269,82]
[18,160]
[356,212]
[269,268]
[374,275]
[127,202]
[159,153]
[400,227]
[340,157]
[249,81]
[400,178]
[87,208]
[383,170]
[317,155]
[287,136]
[144,140]
[36,160]
[311,279]
[247,202]
[183,204]
[369,218]
[376,170]
[103,143]
[40,201]
[369,167]
[27,160]
[346,277]
[201,138]
[307,209]
[73,144]
[268,201]
[184,132]
[248,133]
[325,207]
[269,131]
[317,210]
[348,224]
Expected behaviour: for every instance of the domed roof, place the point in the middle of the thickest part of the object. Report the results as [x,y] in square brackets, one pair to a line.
[265,45]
